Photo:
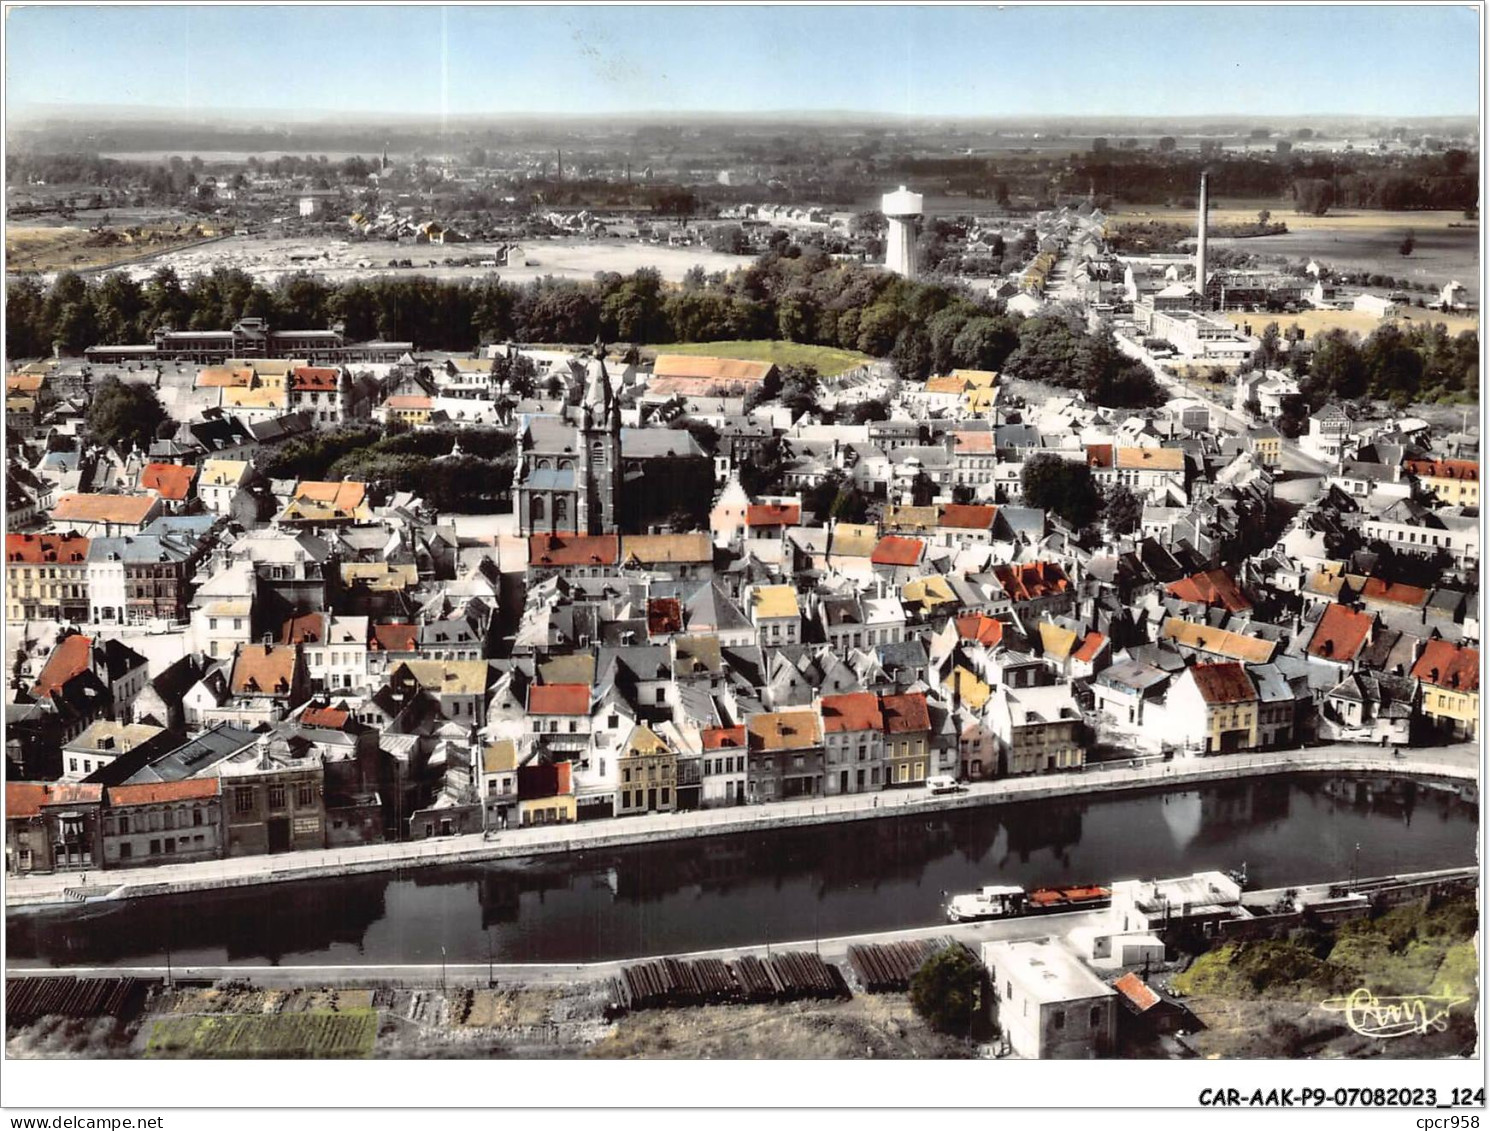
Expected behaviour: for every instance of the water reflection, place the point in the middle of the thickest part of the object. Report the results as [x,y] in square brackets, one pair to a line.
[788,885]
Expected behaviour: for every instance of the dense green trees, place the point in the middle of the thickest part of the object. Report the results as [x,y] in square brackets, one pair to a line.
[1064,487]
[1400,363]
[125,416]
[1057,351]
[947,991]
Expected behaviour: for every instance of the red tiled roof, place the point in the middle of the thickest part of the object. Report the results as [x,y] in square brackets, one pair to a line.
[1132,987]
[1466,470]
[664,616]
[859,710]
[1340,633]
[723,738]
[573,549]
[1223,683]
[559,699]
[1393,592]
[328,718]
[313,379]
[1099,455]
[1089,648]
[1032,580]
[409,402]
[905,713]
[394,638]
[985,630]
[25,799]
[964,516]
[544,779]
[71,657]
[308,628]
[1212,587]
[168,480]
[980,441]
[264,669]
[1450,666]
[893,550]
[34,549]
[150,793]
[773,514]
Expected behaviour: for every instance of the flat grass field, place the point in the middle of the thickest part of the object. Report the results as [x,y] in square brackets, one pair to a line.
[1447,246]
[46,248]
[830,362]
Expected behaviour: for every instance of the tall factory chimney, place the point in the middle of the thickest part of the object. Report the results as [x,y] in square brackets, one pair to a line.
[1200,239]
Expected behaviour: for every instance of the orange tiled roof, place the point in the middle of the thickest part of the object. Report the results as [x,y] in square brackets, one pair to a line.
[1462,469]
[783,730]
[1450,666]
[893,550]
[72,656]
[1393,592]
[859,710]
[974,441]
[1089,648]
[1223,683]
[905,714]
[1340,633]
[328,718]
[308,628]
[25,799]
[1132,987]
[394,638]
[573,549]
[264,669]
[1211,587]
[559,699]
[965,516]
[313,379]
[150,793]
[1099,455]
[723,738]
[984,630]
[773,514]
[1031,580]
[126,509]
[224,377]
[35,549]
[168,480]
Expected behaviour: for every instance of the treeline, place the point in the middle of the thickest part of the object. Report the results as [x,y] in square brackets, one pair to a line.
[1417,362]
[1432,181]
[476,481]
[801,296]
[1057,350]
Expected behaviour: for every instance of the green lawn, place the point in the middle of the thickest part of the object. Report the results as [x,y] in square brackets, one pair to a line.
[830,362]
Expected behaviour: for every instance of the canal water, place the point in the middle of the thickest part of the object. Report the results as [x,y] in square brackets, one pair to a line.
[779,886]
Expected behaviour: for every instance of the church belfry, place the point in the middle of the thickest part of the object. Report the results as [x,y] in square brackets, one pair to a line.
[600,453]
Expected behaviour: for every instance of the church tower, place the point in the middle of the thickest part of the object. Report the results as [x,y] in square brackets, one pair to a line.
[600,453]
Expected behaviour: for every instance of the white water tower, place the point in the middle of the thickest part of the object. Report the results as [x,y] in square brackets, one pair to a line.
[901,208]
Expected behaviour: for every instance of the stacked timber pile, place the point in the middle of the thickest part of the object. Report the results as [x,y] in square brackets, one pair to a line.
[674,981]
[26,999]
[889,967]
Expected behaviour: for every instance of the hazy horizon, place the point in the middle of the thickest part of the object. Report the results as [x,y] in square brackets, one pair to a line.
[985,63]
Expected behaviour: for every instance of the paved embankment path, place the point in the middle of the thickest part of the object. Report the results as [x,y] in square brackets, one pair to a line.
[565,973]
[1459,762]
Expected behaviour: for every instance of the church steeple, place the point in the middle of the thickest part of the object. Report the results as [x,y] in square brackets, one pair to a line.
[600,405]
[600,452]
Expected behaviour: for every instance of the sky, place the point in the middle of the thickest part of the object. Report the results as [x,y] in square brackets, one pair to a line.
[1400,61]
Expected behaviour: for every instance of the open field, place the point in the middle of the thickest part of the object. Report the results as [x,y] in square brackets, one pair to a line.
[830,362]
[1356,321]
[1245,212]
[1447,247]
[268,259]
[39,247]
